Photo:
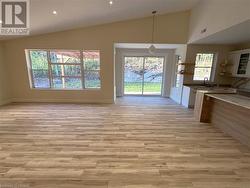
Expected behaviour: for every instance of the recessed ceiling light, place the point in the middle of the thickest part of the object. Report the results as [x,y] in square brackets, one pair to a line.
[1,21]
[54,12]
[111,2]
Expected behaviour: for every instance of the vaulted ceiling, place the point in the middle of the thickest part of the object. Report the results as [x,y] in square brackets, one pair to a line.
[80,13]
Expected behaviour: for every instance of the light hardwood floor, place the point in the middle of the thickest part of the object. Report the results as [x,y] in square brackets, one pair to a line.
[136,143]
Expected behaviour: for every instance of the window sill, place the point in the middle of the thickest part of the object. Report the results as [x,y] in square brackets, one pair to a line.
[47,89]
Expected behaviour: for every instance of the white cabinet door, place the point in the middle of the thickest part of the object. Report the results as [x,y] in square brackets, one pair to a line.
[185,96]
[243,65]
[188,96]
[237,58]
[248,68]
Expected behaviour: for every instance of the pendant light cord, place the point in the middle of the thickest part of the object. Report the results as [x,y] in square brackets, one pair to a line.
[153,27]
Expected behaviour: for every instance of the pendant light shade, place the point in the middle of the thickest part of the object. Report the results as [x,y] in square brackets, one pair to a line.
[152,48]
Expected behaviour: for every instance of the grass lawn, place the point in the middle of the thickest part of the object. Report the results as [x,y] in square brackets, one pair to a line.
[136,87]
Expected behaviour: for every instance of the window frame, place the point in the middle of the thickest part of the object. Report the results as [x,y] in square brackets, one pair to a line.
[144,56]
[177,84]
[50,74]
[89,70]
[213,67]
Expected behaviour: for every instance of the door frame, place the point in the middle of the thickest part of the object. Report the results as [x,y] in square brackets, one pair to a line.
[144,56]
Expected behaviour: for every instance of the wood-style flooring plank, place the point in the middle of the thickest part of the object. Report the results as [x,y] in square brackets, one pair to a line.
[145,142]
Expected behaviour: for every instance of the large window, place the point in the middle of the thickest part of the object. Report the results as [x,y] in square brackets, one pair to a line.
[64,69]
[203,66]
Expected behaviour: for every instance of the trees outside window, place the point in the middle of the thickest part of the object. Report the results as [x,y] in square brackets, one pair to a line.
[64,69]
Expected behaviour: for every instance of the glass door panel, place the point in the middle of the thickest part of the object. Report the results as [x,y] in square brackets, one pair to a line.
[153,75]
[133,75]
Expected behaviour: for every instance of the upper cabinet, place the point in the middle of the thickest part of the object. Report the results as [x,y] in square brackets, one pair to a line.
[240,61]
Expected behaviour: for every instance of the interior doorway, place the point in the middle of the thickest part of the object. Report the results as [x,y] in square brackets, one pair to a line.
[143,75]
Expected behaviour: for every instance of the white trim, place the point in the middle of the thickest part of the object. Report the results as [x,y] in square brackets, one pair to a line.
[143,77]
[50,64]
[79,101]
[167,73]
[144,58]
[56,89]
[175,71]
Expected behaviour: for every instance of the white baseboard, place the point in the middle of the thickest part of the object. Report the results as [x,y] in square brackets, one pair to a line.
[92,101]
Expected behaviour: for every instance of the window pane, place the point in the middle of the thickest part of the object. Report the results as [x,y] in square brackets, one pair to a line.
[133,75]
[153,74]
[39,64]
[73,83]
[92,79]
[66,70]
[56,70]
[177,75]
[203,66]
[57,83]
[67,83]
[201,73]
[72,70]
[204,60]
[64,56]
[91,60]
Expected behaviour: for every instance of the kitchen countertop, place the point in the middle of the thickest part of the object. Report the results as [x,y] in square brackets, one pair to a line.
[197,86]
[217,90]
[234,99]
[214,89]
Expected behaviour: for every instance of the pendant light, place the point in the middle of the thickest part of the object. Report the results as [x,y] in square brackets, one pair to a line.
[152,48]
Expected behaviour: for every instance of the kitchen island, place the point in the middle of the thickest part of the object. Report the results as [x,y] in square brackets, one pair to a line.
[228,112]
[202,107]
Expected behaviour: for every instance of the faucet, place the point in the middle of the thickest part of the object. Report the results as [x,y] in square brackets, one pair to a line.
[205,81]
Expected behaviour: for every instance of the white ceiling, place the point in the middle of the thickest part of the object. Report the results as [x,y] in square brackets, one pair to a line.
[81,13]
[239,33]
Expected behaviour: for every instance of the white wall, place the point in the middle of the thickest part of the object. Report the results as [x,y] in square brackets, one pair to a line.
[216,15]
[170,28]
[222,54]
[176,92]
[4,81]
[121,53]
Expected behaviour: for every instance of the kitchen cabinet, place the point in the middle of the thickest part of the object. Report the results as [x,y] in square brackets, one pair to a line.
[189,93]
[241,63]
[202,105]
[188,96]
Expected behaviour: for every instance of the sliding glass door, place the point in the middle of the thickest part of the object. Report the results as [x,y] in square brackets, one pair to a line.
[133,77]
[143,75]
